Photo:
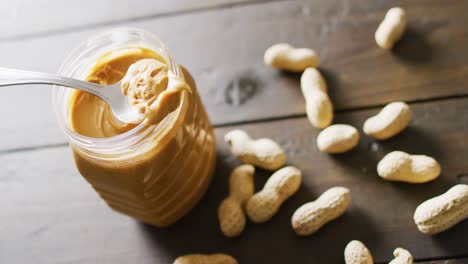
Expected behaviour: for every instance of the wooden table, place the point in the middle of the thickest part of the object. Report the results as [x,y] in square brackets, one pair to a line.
[49,214]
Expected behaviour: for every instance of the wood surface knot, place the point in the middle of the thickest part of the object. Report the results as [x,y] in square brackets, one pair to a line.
[240,89]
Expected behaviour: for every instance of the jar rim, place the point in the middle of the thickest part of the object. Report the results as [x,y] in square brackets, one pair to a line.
[81,59]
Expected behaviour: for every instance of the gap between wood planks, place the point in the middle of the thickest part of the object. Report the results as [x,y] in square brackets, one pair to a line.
[256,121]
[343,110]
[420,260]
[134,19]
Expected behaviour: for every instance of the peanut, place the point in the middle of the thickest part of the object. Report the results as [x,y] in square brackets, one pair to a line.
[231,210]
[391,120]
[319,108]
[311,216]
[401,166]
[402,256]
[357,253]
[279,187]
[338,139]
[206,259]
[392,28]
[285,57]
[444,211]
[264,152]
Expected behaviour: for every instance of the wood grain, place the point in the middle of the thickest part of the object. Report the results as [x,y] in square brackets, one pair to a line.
[224,50]
[50,214]
[25,19]
[447,261]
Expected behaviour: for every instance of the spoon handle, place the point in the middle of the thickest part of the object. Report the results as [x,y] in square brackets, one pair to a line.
[9,77]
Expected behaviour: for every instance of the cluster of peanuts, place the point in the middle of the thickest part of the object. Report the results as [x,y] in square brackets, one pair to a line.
[433,216]
[285,181]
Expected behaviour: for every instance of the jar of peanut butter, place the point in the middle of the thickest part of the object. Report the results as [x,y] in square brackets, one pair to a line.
[153,171]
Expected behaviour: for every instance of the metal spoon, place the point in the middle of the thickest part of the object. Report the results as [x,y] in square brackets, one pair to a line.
[111,94]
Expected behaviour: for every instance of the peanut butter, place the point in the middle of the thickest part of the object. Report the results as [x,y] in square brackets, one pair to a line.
[151,90]
[167,176]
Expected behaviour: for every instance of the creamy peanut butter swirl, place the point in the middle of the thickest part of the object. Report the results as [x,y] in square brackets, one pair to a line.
[151,90]
[147,82]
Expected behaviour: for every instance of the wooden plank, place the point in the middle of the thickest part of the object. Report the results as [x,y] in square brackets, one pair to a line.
[447,261]
[23,18]
[50,214]
[224,50]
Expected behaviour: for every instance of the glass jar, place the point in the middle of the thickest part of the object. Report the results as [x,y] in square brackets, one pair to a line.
[155,173]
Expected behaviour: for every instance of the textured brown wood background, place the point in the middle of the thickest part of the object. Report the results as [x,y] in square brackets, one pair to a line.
[62,220]
[224,47]
[51,215]
[449,261]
